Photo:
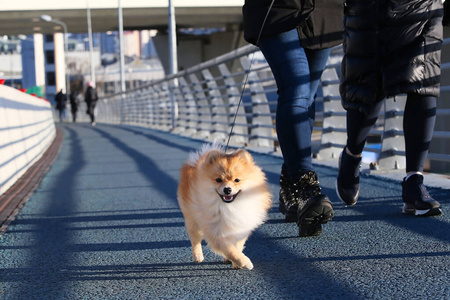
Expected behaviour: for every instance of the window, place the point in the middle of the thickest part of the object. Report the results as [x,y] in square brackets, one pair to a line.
[49,38]
[50,57]
[51,78]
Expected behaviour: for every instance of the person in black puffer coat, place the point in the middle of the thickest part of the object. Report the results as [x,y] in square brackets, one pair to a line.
[295,39]
[74,102]
[90,96]
[61,101]
[391,48]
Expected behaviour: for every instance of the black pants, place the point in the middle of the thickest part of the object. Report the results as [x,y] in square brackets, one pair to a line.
[418,125]
[90,111]
[74,115]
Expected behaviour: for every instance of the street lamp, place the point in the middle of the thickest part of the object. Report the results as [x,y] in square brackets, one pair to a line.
[173,56]
[91,46]
[172,40]
[48,18]
[121,49]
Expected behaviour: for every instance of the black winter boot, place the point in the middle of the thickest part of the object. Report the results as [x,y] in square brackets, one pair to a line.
[287,205]
[314,208]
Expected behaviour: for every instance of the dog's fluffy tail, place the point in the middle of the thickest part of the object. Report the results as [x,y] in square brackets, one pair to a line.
[195,156]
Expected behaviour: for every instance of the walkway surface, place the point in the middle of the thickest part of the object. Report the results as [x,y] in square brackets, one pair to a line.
[104,224]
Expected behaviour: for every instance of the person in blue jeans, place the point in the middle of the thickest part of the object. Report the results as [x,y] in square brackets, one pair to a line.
[295,37]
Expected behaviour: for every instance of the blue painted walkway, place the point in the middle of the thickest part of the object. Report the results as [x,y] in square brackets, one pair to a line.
[104,224]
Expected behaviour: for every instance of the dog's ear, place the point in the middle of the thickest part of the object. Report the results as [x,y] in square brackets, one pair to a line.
[243,155]
[212,156]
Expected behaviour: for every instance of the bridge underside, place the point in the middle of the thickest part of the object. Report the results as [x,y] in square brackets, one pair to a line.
[28,22]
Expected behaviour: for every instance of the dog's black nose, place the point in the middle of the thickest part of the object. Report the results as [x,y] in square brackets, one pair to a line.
[227,190]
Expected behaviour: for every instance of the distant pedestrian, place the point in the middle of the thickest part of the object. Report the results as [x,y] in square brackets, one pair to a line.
[61,100]
[74,102]
[91,100]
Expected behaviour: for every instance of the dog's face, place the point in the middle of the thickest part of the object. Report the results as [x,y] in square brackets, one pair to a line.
[228,173]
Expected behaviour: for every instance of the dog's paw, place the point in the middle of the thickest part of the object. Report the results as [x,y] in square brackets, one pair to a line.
[246,263]
[226,261]
[197,257]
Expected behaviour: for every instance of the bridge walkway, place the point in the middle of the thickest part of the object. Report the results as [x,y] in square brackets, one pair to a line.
[104,223]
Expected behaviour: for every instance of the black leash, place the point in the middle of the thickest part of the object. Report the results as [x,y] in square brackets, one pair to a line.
[246,76]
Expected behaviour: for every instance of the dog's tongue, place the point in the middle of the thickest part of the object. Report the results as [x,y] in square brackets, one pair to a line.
[228,198]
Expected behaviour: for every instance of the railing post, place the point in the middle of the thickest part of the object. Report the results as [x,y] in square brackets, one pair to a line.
[239,133]
[187,110]
[123,109]
[204,120]
[173,86]
[334,115]
[219,113]
[392,155]
[260,110]
[166,110]
[117,110]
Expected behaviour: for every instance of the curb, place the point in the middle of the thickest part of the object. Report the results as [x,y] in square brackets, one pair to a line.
[12,201]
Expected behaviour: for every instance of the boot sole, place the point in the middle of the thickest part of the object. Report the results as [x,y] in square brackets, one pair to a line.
[317,210]
[410,210]
[290,217]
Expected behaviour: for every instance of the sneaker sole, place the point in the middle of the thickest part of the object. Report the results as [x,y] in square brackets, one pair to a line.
[317,211]
[410,210]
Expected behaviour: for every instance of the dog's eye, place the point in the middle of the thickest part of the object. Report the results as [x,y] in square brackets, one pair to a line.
[219,180]
[237,180]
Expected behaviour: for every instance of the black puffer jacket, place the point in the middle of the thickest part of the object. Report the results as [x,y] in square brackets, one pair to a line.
[391,47]
[319,22]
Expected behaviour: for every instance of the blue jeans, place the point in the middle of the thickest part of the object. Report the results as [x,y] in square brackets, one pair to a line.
[62,114]
[297,72]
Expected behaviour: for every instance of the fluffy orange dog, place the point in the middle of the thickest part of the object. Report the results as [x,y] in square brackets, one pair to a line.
[224,197]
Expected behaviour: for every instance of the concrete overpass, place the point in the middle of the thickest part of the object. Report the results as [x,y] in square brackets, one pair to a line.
[22,16]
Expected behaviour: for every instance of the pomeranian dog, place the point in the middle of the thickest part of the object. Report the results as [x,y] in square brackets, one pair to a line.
[223,197]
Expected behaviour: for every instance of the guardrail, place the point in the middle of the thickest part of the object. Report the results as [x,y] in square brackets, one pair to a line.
[203,102]
[26,131]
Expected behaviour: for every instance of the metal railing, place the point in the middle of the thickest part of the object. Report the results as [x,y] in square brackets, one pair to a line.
[203,101]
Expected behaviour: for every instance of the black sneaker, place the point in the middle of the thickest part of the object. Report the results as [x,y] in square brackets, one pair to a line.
[347,183]
[316,211]
[287,205]
[417,200]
